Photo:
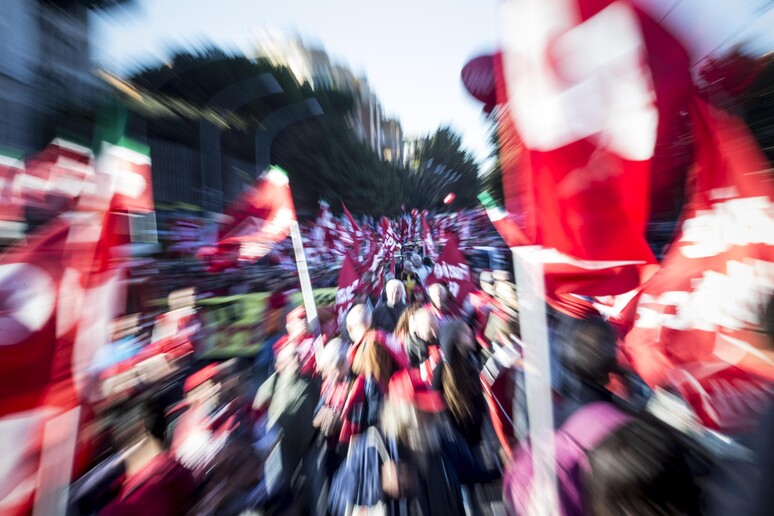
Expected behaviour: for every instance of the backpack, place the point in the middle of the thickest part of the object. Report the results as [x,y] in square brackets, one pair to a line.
[586,428]
[358,482]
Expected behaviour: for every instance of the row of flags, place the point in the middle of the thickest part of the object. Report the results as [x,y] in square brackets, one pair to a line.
[61,288]
[589,105]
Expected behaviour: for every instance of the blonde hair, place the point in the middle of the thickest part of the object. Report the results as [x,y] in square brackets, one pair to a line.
[374,359]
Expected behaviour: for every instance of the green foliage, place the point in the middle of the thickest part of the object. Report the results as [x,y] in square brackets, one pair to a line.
[323,156]
[442,166]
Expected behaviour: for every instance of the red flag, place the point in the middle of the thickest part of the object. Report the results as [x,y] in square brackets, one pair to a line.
[345,293]
[11,202]
[698,322]
[588,96]
[452,270]
[389,242]
[355,233]
[262,217]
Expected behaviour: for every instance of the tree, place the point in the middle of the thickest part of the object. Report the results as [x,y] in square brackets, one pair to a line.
[442,166]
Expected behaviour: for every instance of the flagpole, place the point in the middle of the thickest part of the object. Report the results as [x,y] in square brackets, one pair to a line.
[530,284]
[303,277]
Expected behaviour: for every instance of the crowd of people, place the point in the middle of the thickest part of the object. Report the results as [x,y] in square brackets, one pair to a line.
[416,405]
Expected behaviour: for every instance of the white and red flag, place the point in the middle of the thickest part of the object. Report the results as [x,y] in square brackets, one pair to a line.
[452,269]
[588,97]
[355,234]
[261,218]
[12,222]
[60,291]
[347,288]
[699,319]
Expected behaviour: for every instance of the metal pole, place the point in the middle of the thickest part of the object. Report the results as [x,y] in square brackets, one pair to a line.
[303,277]
[530,284]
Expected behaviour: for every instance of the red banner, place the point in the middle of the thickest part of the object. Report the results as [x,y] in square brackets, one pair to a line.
[698,320]
[452,270]
[261,218]
[587,98]
[347,287]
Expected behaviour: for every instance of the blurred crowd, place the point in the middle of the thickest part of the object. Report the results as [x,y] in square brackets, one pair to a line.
[416,405]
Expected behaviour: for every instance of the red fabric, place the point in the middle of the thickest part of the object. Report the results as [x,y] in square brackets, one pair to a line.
[355,400]
[199,377]
[427,368]
[261,218]
[499,401]
[452,270]
[698,320]
[570,170]
[278,300]
[345,293]
[408,387]
[163,486]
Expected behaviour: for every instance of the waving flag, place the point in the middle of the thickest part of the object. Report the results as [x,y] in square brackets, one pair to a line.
[11,204]
[49,338]
[698,320]
[355,234]
[261,218]
[589,96]
[452,270]
[347,287]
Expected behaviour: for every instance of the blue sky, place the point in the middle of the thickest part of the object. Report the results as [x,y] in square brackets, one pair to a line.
[412,51]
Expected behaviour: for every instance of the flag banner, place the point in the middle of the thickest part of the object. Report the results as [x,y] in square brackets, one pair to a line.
[699,320]
[63,288]
[261,218]
[347,287]
[355,235]
[589,116]
[452,270]
[12,222]
[57,176]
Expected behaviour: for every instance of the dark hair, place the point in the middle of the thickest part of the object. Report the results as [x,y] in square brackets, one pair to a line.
[641,469]
[587,348]
[460,380]
[402,326]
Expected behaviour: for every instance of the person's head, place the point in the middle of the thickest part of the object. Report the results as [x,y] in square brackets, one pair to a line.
[587,349]
[374,359]
[296,323]
[412,413]
[456,337]
[419,295]
[641,469]
[424,325]
[416,261]
[141,418]
[203,387]
[332,360]
[403,327]
[395,292]
[359,321]
[287,361]
[438,295]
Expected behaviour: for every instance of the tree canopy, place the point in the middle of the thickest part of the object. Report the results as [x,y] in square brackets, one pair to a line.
[323,156]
